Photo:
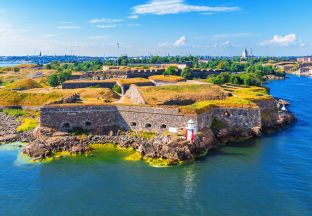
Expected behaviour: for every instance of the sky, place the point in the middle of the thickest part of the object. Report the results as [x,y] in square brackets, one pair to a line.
[155,27]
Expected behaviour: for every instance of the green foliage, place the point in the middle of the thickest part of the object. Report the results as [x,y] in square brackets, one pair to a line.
[58,78]
[14,112]
[249,79]
[64,75]
[172,70]
[77,131]
[68,67]
[117,89]
[27,124]
[187,73]
[53,80]
[16,69]
[217,124]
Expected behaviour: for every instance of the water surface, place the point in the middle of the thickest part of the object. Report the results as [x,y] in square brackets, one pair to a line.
[267,176]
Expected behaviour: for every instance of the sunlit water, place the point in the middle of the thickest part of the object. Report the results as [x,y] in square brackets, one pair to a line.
[270,176]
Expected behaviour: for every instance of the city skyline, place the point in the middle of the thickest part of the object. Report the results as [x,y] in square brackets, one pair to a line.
[157,27]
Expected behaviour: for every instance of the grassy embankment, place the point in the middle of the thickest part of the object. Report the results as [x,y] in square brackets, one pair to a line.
[181,94]
[242,97]
[28,92]
[163,78]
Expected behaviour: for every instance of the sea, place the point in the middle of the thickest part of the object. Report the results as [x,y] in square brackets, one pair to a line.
[8,64]
[270,176]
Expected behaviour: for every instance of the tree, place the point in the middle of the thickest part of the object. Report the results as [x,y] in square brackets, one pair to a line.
[235,79]
[53,80]
[63,76]
[16,69]
[187,73]
[171,70]
[48,67]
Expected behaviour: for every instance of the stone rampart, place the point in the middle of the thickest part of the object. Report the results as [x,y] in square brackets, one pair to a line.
[101,119]
[87,84]
[135,95]
[238,118]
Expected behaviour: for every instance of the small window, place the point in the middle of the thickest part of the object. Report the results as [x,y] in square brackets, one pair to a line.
[133,124]
[163,126]
[88,124]
[148,125]
[66,126]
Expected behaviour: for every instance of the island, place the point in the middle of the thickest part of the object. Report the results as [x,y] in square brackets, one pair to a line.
[167,113]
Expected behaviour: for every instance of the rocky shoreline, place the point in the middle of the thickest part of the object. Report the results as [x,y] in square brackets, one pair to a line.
[45,142]
[8,132]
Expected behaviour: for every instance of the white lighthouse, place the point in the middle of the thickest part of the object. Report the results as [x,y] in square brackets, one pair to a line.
[191,131]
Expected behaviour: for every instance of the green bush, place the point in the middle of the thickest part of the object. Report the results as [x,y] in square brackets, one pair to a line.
[187,73]
[14,112]
[217,124]
[117,89]
[171,70]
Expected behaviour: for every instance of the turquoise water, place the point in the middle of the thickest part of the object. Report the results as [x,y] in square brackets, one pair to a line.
[270,176]
[8,64]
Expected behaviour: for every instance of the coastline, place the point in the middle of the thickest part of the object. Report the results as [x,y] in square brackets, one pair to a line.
[155,148]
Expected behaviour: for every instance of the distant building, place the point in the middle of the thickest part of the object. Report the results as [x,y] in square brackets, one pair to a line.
[203,60]
[305,60]
[245,54]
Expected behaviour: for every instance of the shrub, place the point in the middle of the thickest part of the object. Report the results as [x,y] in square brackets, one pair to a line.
[27,124]
[187,73]
[53,80]
[117,89]
[171,70]
[217,124]
[14,112]
[16,69]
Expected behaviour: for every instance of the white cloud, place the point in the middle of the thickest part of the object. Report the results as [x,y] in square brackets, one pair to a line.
[180,42]
[104,20]
[133,24]
[133,17]
[106,26]
[290,39]
[68,27]
[160,7]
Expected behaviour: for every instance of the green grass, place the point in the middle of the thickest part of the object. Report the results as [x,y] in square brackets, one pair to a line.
[164,78]
[23,84]
[27,124]
[147,135]
[14,98]
[231,102]
[14,112]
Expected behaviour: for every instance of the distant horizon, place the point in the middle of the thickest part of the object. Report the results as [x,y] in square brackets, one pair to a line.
[146,56]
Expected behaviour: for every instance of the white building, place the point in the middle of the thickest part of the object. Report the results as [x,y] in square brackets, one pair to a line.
[245,54]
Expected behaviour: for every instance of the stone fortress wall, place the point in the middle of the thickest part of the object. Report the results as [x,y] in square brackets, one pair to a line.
[100,119]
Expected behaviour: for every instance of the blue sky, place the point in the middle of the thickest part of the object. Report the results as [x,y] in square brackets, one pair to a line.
[157,27]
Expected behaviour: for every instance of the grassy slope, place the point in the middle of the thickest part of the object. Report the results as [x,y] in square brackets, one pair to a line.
[163,78]
[242,97]
[40,97]
[161,94]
